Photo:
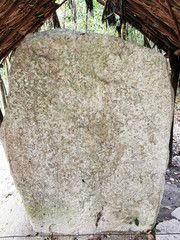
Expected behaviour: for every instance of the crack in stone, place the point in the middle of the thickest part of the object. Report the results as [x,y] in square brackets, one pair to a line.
[51,226]
[99,216]
[41,55]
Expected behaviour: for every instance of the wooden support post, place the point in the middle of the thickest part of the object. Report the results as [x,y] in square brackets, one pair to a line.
[171,144]
[175,71]
[1,117]
[146,43]
[56,22]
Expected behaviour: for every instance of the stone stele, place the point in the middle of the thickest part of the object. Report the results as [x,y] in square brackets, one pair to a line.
[87,132]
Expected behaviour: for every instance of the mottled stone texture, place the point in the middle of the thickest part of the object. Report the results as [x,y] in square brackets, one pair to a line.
[87,132]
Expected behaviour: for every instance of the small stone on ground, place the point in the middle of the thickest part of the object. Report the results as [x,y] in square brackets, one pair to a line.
[171,226]
[176,213]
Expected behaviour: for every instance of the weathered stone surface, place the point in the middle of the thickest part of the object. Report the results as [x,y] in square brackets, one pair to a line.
[13,220]
[169,230]
[176,213]
[87,132]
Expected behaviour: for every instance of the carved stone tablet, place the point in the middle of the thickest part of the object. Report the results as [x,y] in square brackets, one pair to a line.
[87,132]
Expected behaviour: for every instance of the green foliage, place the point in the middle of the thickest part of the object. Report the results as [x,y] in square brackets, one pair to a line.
[94,23]
[135,36]
[2,73]
[87,22]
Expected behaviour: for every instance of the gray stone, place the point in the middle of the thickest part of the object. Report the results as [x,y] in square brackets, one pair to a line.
[176,213]
[171,226]
[87,132]
[171,198]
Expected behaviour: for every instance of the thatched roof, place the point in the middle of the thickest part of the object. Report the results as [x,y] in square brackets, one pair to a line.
[158,20]
[20,17]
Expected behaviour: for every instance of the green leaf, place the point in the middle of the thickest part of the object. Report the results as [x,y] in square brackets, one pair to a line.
[136,221]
